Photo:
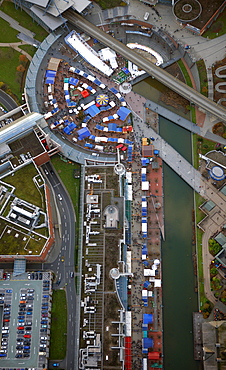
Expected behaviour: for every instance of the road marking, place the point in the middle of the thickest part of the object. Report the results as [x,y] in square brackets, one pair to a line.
[15,295]
[11,348]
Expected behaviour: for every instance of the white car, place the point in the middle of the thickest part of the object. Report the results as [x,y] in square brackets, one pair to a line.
[59,197]
[146,16]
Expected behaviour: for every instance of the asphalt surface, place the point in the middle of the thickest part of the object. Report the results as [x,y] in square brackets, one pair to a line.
[158,73]
[7,101]
[63,265]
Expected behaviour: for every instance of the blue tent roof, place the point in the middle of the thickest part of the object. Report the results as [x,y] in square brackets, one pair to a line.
[50,73]
[66,130]
[112,126]
[97,82]
[88,145]
[147,318]
[83,133]
[112,89]
[123,112]
[72,125]
[50,80]
[73,81]
[92,111]
[92,137]
[148,343]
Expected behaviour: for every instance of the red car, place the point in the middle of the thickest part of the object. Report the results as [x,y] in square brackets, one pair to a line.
[6,320]
[27,336]
[20,327]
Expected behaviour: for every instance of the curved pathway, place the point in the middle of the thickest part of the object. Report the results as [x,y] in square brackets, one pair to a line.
[16,46]
[218,70]
[217,87]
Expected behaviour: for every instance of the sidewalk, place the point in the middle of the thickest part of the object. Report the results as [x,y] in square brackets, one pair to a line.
[16,46]
[14,24]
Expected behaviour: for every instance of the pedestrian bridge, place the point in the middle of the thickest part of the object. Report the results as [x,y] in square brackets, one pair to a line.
[178,163]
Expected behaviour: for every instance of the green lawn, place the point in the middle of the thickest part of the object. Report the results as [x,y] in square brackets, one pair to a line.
[65,171]
[58,334]
[9,61]
[31,50]
[25,187]
[106,4]
[202,77]
[15,240]
[7,33]
[185,72]
[218,28]
[24,20]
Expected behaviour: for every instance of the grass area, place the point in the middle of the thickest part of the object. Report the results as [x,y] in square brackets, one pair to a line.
[107,4]
[185,72]
[58,337]
[31,50]
[202,77]
[193,114]
[15,240]
[24,20]
[218,28]
[10,76]
[7,33]
[201,145]
[65,171]
[25,187]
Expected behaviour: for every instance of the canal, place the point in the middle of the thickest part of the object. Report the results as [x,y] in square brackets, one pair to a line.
[179,297]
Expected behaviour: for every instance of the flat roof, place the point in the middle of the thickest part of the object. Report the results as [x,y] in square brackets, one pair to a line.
[51,21]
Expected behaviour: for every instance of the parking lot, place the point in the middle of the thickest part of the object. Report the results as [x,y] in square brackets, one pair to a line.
[25,304]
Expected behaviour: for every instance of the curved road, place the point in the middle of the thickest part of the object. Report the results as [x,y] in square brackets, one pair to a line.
[63,265]
[158,73]
[7,101]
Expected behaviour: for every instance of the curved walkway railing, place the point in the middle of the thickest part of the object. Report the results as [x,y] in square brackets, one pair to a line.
[33,70]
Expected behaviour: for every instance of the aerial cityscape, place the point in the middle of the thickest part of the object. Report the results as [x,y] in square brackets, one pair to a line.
[113,184]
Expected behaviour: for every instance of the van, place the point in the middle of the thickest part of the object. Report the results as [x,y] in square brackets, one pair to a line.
[5,331]
[146,16]
[95,154]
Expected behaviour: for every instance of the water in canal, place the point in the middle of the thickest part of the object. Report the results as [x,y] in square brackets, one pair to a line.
[179,297]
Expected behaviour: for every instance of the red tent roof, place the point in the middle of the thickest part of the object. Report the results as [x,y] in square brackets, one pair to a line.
[84,93]
[153,355]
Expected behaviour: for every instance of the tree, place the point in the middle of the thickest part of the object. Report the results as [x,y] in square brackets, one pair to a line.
[213,271]
[23,58]
[214,247]
[20,68]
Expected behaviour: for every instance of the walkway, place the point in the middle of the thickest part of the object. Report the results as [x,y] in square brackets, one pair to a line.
[14,24]
[16,46]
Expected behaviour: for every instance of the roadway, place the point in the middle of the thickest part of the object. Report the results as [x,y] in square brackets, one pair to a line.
[63,264]
[6,100]
[161,75]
